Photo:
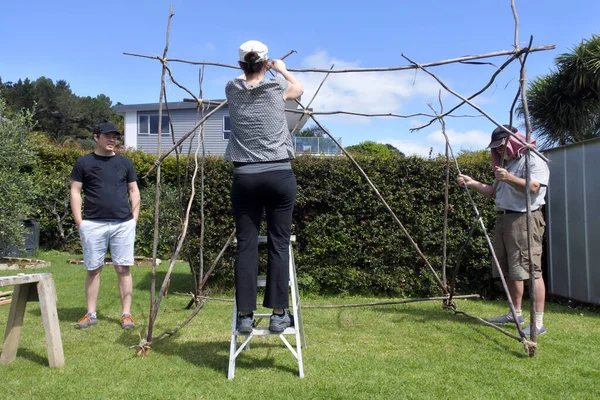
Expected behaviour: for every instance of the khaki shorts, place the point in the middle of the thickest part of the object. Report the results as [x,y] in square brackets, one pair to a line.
[510,245]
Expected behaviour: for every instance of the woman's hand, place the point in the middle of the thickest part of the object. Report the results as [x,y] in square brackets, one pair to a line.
[278,66]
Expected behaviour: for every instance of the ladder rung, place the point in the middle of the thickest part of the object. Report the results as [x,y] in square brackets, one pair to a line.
[266,331]
[263,239]
[262,281]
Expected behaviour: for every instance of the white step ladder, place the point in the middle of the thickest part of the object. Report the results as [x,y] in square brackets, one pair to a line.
[297,329]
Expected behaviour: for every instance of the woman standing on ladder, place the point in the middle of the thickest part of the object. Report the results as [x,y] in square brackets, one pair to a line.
[261,148]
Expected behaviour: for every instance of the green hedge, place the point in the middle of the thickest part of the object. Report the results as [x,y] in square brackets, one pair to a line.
[346,240]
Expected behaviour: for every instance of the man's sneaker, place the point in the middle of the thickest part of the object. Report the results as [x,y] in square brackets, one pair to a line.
[245,323]
[280,322]
[527,330]
[506,319]
[127,321]
[85,321]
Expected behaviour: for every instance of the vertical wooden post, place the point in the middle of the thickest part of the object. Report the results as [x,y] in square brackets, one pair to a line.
[15,322]
[47,296]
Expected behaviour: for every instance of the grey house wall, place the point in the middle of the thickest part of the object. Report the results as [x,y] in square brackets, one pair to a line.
[573,215]
[183,121]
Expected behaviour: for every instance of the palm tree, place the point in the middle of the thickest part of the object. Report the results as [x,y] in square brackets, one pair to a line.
[564,105]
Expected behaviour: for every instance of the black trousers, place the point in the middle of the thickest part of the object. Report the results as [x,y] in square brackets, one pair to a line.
[275,193]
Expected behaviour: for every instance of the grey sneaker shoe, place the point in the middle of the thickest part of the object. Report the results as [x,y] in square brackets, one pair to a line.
[245,323]
[279,323]
[86,321]
[527,330]
[505,319]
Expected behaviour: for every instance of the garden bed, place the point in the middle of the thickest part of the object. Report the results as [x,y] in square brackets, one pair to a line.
[16,263]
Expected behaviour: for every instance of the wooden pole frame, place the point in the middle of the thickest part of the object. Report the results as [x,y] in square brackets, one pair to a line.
[517,53]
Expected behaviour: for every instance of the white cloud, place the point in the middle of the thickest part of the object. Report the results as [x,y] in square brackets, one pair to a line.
[366,92]
[473,139]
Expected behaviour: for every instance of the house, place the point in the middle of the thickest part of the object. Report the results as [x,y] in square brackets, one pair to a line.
[141,125]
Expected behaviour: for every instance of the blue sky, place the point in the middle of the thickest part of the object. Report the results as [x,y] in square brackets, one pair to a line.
[83,43]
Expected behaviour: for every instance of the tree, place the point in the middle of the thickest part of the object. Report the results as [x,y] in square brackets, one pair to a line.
[564,105]
[311,131]
[17,187]
[394,150]
[375,149]
[62,115]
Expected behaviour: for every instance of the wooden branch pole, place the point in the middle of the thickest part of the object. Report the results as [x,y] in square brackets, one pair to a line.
[380,69]
[387,303]
[532,279]
[516,53]
[307,109]
[202,298]
[492,79]
[475,107]
[152,315]
[487,238]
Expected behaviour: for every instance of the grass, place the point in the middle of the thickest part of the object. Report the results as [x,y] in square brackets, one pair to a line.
[413,351]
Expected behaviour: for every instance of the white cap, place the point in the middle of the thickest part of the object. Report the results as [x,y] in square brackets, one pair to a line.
[256,46]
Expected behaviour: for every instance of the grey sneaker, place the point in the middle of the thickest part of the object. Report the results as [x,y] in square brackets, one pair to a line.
[279,323]
[86,321]
[245,323]
[527,330]
[505,319]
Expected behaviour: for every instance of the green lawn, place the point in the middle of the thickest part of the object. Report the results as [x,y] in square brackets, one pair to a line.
[416,350]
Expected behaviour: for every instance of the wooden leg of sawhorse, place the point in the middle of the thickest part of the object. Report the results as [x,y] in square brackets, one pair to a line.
[47,295]
[15,322]
[45,291]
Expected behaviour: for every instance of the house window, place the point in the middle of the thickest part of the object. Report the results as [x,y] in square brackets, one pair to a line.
[148,124]
[226,127]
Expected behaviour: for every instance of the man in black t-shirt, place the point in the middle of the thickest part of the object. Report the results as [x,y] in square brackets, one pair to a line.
[110,212]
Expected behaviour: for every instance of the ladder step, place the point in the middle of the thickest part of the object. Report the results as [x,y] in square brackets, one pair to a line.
[263,239]
[266,331]
[262,281]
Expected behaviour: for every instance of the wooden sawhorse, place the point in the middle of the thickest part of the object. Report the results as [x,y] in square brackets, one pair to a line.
[32,287]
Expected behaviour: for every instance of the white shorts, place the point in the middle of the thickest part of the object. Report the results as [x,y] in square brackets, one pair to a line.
[99,236]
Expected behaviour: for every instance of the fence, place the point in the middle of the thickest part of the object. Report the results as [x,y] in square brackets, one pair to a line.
[317,145]
[574,221]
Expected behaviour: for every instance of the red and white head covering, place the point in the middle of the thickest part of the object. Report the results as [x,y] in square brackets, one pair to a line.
[514,148]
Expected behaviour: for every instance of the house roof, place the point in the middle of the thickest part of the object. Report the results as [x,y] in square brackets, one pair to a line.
[176,105]
[179,105]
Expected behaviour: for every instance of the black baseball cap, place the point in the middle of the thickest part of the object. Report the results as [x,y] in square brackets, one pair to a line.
[106,127]
[499,134]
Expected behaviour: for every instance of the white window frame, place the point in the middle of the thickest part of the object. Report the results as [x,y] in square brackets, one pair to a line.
[150,115]
[226,131]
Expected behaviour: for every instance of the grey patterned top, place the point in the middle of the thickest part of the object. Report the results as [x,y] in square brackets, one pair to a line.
[259,130]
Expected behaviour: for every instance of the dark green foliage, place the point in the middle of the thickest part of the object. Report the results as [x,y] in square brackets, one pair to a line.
[62,115]
[565,104]
[347,241]
[311,131]
[394,150]
[371,148]
[17,188]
